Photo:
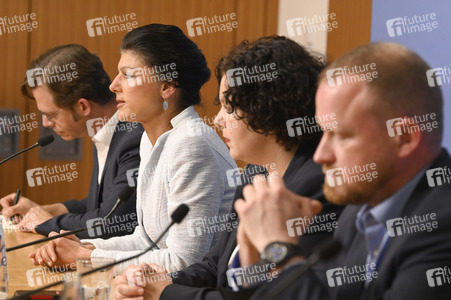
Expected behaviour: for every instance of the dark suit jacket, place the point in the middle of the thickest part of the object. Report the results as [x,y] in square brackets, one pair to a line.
[123,155]
[207,279]
[402,271]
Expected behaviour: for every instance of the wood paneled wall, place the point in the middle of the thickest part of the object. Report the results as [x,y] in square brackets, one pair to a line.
[354,26]
[63,22]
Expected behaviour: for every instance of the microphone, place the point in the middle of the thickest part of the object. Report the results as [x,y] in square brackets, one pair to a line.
[177,216]
[123,197]
[323,252]
[43,141]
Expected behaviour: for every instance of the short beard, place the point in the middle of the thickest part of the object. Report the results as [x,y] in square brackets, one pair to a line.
[347,197]
[363,192]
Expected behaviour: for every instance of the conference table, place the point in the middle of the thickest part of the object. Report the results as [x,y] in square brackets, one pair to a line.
[23,274]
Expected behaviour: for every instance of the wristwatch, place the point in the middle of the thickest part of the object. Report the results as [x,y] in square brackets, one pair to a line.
[279,253]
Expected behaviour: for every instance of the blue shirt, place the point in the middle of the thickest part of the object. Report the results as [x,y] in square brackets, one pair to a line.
[371,221]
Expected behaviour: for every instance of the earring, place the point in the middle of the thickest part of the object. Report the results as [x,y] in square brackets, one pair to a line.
[165,104]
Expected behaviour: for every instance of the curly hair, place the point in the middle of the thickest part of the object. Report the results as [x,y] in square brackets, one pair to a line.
[266,105]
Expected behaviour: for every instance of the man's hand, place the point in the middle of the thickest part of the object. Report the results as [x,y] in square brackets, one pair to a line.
[22,207]
[267,208]
[60,252]
[249,255]
[37,215]
[146,281]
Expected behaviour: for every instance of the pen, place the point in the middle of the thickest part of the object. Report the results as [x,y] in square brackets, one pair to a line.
[16,200]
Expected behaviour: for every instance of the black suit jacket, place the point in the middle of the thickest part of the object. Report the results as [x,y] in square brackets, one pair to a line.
[207,279]
[123,155]
[402,271]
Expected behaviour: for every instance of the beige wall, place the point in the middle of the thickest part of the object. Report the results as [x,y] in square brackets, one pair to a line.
[63,22]
[289,9]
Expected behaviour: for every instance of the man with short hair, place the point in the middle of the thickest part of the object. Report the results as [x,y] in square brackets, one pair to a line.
[395,231]
[80,107]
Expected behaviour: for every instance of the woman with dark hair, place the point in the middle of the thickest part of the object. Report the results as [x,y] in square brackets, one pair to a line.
[264,86]
[160,75]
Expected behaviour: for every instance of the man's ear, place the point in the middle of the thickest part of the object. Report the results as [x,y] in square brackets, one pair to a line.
[83,107]
[410,138]
[167,90]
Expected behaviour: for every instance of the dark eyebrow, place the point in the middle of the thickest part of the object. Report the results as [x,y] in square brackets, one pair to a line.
[126,67]
[47,114]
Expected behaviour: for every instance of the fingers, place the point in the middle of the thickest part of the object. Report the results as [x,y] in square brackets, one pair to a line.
[32,257]
[9,209]
[317,206]
[6,202]
[46,255]
[24,225]
[125,291]
[53,233]
[149,268]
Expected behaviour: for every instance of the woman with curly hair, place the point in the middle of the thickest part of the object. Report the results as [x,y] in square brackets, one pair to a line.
[265,88]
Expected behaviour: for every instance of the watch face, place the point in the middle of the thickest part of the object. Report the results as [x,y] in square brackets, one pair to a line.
[276,252]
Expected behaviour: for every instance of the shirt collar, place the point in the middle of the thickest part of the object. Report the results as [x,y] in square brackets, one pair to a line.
[188,112]
[390,207]
[105,134]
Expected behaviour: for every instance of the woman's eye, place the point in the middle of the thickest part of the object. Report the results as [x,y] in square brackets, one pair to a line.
[128,76]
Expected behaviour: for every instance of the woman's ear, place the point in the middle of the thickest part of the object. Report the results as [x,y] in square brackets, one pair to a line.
[167,90]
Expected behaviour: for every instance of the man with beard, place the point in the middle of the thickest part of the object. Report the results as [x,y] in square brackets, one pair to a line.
[395,229]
